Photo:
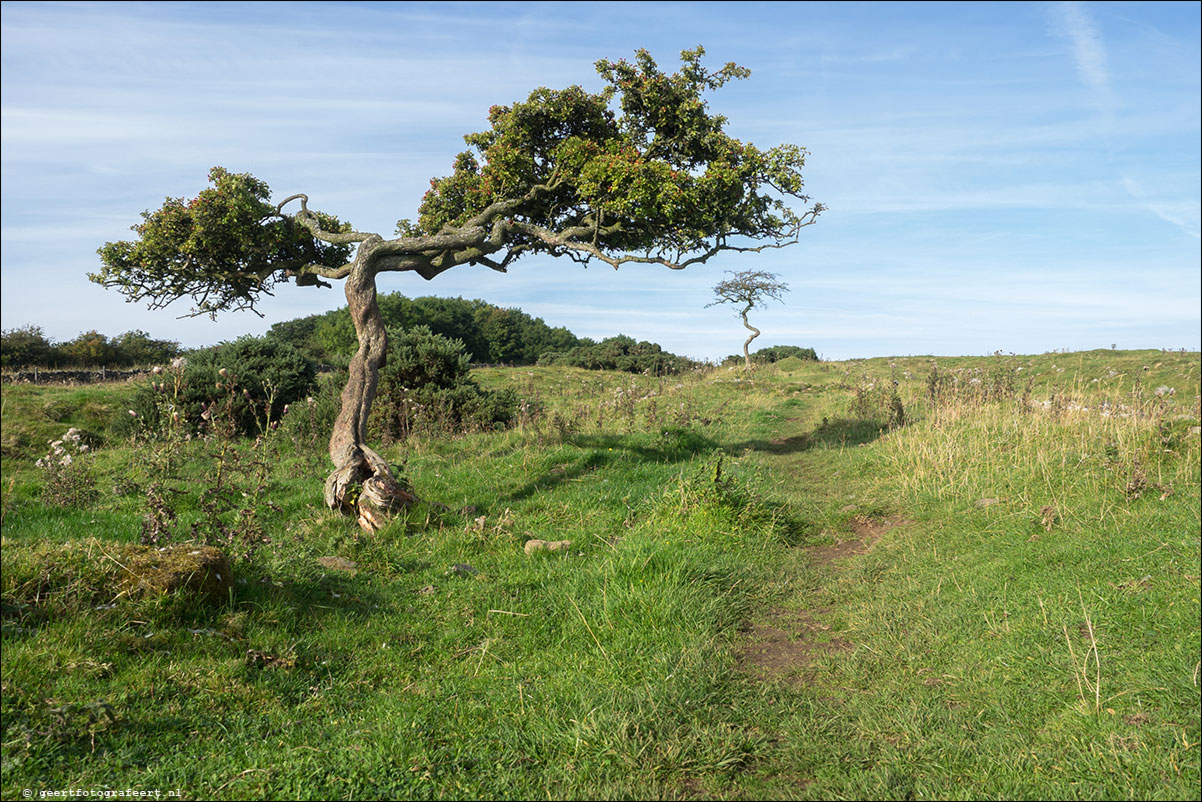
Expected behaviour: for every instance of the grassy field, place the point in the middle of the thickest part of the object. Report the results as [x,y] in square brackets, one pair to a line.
[887,579]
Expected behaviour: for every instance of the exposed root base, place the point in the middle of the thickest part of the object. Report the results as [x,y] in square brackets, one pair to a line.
[365,487]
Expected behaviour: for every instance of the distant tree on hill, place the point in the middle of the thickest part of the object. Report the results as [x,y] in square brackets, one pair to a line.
[638,173]
[748,289]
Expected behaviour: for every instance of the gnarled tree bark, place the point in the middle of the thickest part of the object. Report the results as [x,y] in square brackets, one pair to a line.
[747,343]
[362,483]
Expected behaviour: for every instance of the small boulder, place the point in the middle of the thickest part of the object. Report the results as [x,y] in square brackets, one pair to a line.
[546,545]
[339,564]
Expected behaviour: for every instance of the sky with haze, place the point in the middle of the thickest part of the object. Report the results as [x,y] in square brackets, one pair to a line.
[1022,177]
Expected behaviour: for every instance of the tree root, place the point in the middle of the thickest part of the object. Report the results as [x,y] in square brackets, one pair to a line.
[365,487]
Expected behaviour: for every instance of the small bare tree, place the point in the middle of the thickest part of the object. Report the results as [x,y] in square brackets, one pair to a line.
[748,288]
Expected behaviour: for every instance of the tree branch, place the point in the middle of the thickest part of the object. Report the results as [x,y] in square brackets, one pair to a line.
[310,221]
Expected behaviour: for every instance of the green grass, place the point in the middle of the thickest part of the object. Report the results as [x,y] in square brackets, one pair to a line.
[1031,629]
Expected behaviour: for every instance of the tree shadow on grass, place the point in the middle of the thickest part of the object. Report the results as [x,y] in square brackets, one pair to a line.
[837,433]
[679,445]
[600,450]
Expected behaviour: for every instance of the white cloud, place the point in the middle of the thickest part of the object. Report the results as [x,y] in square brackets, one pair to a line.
[1089,52]
[1185,213]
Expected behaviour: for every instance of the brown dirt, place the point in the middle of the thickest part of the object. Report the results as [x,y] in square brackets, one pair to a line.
[787,646]
[868,530]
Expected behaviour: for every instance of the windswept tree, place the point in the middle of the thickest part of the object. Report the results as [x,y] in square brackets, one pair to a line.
[748,289]
[637,173]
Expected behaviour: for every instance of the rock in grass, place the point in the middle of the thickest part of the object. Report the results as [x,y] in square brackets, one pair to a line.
[201,570]
[58,578]
[547,545]
[339,564]
[982,503]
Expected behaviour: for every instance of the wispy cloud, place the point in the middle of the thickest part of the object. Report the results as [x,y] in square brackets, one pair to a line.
[1185,213]
[1089,53]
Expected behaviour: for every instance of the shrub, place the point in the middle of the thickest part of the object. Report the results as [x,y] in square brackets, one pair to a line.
[136,347]
[775,353]
[25,347]
[68,476]
[245,383]
[426,385]
[308,422]
[620,353]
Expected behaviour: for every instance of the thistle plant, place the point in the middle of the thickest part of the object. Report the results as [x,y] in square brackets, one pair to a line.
[66,468]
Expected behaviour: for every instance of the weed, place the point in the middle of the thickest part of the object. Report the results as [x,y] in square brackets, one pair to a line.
[878,400]
[1087,685]
[67,473]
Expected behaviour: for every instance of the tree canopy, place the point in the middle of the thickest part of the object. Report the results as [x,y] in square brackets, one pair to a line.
[748,289]
[639,172]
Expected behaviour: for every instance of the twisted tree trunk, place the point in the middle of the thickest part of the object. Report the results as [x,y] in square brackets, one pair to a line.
[747,343]
[362,484]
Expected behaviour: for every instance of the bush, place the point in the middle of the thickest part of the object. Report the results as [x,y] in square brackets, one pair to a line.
[426,386]
[309,422]
[620,353]
[244,384]
[488,333]
[136,347]
[775,353]
[25,347]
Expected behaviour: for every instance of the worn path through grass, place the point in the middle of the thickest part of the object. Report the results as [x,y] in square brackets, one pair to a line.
[952,631]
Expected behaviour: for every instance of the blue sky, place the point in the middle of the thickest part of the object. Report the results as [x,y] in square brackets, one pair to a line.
[1016,176]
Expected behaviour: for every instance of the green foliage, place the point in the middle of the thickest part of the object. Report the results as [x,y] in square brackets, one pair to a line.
[772,354]
[25,347]
[748,289]
[139,348]
[301,333]
[308,422]
[223,248]
[776,353]
[426,385]
[29,347]
[247,382]
[488,333]
[621,353]
[661,175]
[89,349]
[269,374]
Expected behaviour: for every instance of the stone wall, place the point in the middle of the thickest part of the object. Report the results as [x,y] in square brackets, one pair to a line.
[77,376]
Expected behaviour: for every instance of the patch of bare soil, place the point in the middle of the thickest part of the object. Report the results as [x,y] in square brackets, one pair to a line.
[786,647]
[868,531]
